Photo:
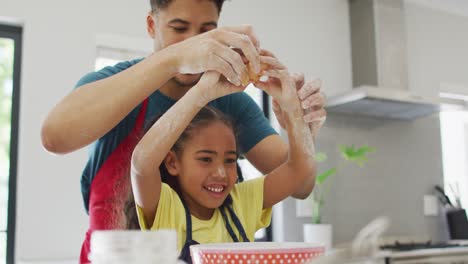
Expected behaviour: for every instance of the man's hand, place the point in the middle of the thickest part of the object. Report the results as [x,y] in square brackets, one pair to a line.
[312,102]
[212,51]
[213,85]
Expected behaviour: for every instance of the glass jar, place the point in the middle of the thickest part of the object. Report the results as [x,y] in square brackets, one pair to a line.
[133,246]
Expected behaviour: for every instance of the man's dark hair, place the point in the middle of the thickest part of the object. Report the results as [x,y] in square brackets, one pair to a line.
[157,5]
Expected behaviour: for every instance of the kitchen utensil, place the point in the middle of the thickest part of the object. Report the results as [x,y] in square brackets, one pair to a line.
[133,246]
[363,249]
[457,223]
[456,194]
[256,252]
[442,196]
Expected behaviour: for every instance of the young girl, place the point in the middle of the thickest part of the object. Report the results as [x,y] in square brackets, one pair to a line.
[196,146]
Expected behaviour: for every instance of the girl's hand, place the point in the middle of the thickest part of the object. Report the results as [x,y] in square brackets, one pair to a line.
[279,84]
[213,85]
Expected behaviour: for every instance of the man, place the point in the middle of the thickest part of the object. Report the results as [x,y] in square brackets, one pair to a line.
[106,108]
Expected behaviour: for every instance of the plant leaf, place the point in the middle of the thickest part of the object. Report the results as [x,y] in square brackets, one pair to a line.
[356,155]
[323,176]
[320,157]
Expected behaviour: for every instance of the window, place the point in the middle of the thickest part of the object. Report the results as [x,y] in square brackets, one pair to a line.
[109,56]
[454,133]
[248,170]
[10,52]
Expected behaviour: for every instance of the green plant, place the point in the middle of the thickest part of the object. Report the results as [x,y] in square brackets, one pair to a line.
[356,155]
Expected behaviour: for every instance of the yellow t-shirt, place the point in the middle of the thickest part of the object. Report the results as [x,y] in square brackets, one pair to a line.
[247,203]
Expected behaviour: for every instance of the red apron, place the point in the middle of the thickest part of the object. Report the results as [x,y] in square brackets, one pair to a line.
[110,187]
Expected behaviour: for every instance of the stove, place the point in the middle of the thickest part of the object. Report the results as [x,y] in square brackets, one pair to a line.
[407,246]
[425,252]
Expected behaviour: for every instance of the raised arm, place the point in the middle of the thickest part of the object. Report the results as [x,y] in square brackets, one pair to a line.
[272,151]
[297,173]
[157,142]
[92,110]
[153,148]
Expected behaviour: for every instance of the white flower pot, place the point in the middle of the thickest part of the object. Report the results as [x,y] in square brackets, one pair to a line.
[318,233]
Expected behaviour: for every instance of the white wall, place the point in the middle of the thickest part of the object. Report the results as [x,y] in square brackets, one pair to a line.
[437,49]
[310,36]
[59,47]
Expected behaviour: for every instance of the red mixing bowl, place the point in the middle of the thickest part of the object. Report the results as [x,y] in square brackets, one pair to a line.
[256,253]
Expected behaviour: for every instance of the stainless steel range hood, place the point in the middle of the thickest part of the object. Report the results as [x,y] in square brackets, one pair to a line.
[379,62]
[389,103]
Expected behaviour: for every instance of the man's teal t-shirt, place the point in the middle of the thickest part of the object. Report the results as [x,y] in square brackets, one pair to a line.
[250,123]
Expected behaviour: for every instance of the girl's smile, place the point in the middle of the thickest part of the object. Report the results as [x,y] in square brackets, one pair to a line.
[216,190]
[207,168]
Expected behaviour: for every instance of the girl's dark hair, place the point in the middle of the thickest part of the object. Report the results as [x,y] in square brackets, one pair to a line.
[206,116]
[157,5]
